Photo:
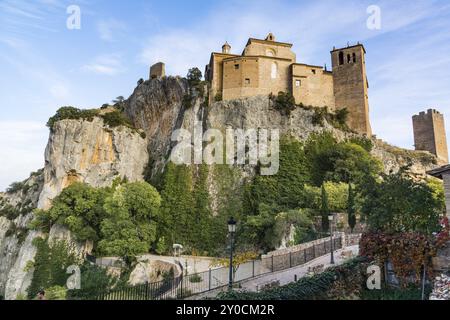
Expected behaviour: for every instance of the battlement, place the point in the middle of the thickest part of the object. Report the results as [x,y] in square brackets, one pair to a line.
[429,133]
[427,113]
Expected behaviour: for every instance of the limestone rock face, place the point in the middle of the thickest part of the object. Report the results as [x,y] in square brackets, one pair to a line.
[90,152]
[152,271]
[16,248]
[159,106]
[77,150]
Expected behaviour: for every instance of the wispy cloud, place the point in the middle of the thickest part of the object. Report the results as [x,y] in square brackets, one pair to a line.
[109,65]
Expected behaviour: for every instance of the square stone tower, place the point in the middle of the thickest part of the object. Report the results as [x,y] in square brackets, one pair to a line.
[351,86]
[429,134]
[158,70]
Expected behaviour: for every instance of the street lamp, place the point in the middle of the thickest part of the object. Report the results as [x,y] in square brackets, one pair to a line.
[231,231]
[330,218]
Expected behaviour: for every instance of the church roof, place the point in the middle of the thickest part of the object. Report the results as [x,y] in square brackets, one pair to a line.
[276,43]
[438,172]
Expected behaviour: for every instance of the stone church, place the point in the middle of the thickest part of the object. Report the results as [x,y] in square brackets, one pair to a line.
[268,66]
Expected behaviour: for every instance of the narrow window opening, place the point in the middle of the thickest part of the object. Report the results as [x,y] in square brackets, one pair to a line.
[313,71]
[298,83]
[341,58]
[236,66]
[348,58]
[247,81]
[274,70]
[354,57]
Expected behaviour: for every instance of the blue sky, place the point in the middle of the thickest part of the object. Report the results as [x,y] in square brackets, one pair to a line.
[44,65]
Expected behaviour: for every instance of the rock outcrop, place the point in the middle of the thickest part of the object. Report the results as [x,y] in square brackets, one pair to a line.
[16,247]
[90,152]
[77,151]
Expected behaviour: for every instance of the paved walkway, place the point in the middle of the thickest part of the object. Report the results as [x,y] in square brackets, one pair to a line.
[285,276]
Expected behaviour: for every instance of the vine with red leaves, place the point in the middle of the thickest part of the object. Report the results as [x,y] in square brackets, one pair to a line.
[408,252]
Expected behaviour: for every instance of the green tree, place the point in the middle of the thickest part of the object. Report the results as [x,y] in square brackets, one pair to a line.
[351,208]
[79,207]
[194,76]
[132,215]
[324,210]
[398,203]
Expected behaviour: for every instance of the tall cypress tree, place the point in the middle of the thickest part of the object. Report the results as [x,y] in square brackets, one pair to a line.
[351,208]
[324,210]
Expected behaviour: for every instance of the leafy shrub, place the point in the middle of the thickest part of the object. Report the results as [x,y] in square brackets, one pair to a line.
[319,116]
[409,293]
[94,281]
[56,293]
[71,113]
[115,119]
[364,142]
[194,76]
[407,252]
[8,211]
[284,102]
[218,97]
[15,187]
[50,264]
[195,278]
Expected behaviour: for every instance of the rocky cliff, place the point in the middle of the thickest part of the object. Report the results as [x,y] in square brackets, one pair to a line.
[77,151]
[92,152]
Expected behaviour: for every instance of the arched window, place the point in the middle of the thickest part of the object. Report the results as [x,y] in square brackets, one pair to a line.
[354,57]
[270,53]
[341,58]
[274,70]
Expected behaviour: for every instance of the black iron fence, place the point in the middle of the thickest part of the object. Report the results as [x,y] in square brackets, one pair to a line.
[188,285]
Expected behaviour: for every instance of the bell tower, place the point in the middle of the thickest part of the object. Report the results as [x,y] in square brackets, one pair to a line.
[351,86]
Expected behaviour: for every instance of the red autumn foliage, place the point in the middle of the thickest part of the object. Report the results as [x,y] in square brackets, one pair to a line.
[407,252]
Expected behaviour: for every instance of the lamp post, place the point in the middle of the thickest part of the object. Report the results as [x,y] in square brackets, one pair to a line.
[330,219]
[231,231]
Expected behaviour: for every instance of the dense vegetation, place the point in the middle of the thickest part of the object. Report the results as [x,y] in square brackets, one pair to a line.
[114,118]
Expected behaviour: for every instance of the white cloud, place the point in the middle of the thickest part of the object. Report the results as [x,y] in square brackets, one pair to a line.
[109,65]
[22,144]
